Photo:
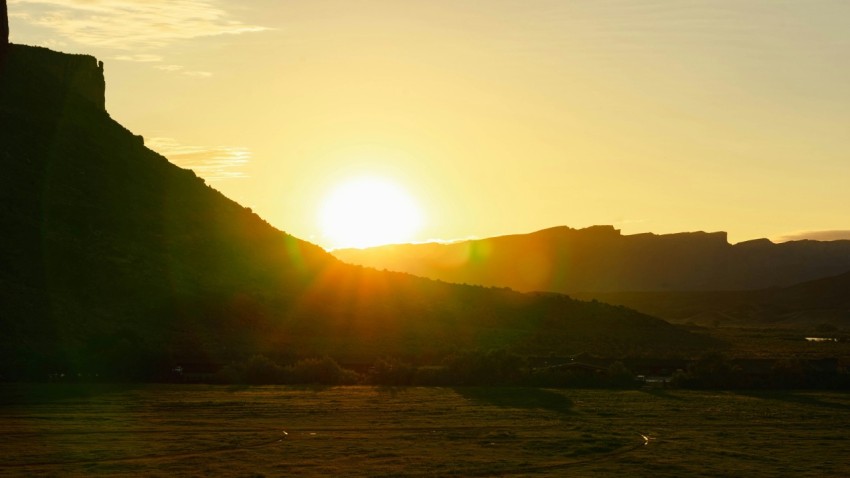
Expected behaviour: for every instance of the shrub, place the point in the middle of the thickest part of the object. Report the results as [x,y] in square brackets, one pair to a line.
[325,371]
[260,370]
[391,371]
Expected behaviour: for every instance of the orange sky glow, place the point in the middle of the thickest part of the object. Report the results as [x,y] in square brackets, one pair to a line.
[491,117]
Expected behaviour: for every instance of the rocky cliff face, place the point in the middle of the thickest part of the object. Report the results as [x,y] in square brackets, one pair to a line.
[103,238]
[599,258]
[115,262]
[46,79]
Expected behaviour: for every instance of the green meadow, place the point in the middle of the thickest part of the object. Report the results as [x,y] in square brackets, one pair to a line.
[200,430]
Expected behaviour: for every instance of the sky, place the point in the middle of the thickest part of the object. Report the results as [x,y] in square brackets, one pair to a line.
[495,117]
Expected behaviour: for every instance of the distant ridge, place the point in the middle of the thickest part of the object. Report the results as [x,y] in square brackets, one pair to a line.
[118,264]
[600,258]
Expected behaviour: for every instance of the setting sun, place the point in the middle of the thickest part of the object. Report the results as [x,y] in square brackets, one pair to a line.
[368,211]
[424,237]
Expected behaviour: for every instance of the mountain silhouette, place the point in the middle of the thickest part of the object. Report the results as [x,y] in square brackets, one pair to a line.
[601,259]
[117,262]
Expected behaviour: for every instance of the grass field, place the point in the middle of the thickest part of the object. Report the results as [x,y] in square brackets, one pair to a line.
[184,430]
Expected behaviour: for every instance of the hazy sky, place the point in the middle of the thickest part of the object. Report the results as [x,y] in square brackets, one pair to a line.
[496,116]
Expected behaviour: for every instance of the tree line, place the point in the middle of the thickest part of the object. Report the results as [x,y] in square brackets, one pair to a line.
[500,367]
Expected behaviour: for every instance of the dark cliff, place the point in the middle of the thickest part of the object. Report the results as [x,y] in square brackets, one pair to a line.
[106,241]
[44,80]
[599,258]
[116,262]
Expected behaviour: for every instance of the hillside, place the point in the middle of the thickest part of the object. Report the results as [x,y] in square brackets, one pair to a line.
[822,304]
[119,263]
[601,259]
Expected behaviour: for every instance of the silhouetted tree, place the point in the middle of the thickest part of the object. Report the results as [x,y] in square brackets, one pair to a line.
[619,376]
[391,371]
[789,373]
[262,370]
[494,367]
[325,371]
[712,370]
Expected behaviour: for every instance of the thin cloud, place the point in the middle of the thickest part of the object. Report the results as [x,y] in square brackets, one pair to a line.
[169,67]
[834,235]
[197,74]
[134,24]
[183,71]
[141,58]
[211,163]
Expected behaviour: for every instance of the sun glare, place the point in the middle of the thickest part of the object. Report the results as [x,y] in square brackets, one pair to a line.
[368,211]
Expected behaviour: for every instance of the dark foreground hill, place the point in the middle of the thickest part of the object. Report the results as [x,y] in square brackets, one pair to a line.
[820,306]
[117,262]
[599,259]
